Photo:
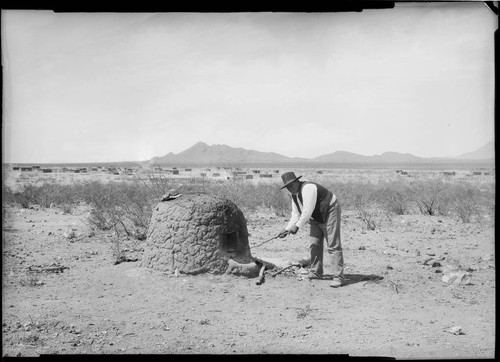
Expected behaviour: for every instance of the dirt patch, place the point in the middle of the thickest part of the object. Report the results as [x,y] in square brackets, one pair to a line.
[394,303]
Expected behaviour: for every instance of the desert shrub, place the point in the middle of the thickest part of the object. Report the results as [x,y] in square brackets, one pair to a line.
[125,207]
[394,197]
[104,201]
[487,200]
[137,207]
[26,197]
[117,250]
[364,200]
[7,195]
[67,208]
[45,195]
[344,192]
[428,195]
[444,206]
[157,184]
[466,201]
[277,201]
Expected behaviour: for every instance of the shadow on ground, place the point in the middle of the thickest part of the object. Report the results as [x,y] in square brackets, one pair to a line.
[357,278]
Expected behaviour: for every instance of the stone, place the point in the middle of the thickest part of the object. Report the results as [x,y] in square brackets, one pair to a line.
[454,274]
[456,330]
[487,257]
[428,261]
[70,234]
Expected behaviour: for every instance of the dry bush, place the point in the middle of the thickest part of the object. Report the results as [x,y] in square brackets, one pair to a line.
[156,183]
[429,195]
[466,202]
[45,194]
[67,208]
[137,206]
[487,200]
[394,197]
[104,201]
[250,196]
[365,201]
[344,192]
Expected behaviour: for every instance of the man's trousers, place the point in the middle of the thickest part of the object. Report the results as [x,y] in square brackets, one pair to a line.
[329,231]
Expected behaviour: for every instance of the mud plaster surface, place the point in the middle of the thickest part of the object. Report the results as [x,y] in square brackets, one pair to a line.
[194,232]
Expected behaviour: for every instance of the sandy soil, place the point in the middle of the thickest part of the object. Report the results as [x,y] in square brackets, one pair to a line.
[95,307]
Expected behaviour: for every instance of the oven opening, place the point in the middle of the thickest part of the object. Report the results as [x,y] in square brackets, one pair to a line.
[230,244]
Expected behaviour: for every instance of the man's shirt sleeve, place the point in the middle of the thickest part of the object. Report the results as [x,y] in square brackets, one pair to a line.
[309,195]
[295,216]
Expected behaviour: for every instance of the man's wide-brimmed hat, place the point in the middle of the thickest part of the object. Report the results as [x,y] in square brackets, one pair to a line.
[288,178]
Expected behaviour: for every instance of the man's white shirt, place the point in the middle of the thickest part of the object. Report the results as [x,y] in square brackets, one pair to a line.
[309,195]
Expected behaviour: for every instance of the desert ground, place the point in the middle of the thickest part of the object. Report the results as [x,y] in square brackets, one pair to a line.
[63,293]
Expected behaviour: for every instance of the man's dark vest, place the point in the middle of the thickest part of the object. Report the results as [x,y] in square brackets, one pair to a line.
[323,199]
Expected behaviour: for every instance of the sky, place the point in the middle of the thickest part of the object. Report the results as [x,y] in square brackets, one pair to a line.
[109,87]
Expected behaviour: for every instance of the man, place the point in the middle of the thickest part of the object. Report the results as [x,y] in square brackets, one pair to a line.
[314,203]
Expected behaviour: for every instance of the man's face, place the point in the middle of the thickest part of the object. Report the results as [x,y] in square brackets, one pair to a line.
[294,187]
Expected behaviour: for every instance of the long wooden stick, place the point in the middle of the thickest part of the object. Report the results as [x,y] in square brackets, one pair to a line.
[256,246]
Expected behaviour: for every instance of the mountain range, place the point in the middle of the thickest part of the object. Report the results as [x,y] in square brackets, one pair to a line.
[202,153]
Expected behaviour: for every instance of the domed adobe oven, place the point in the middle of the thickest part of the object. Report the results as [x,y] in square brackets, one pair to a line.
[197,233]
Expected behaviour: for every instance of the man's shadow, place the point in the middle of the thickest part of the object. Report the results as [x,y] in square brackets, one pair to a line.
[358,278]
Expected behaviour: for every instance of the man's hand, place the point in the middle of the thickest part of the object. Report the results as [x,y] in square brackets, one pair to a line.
[283,233]
[294,230]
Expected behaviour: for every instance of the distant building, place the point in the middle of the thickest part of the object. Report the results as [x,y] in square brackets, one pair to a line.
[319,172]
[249,177]
[476,173]
[449,173]
[26,169]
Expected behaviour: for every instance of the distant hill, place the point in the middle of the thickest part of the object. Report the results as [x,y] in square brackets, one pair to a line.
[483,153]
[202,153]
[343,156]
[222,154]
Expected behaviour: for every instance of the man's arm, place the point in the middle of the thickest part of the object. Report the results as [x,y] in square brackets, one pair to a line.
[294,218]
